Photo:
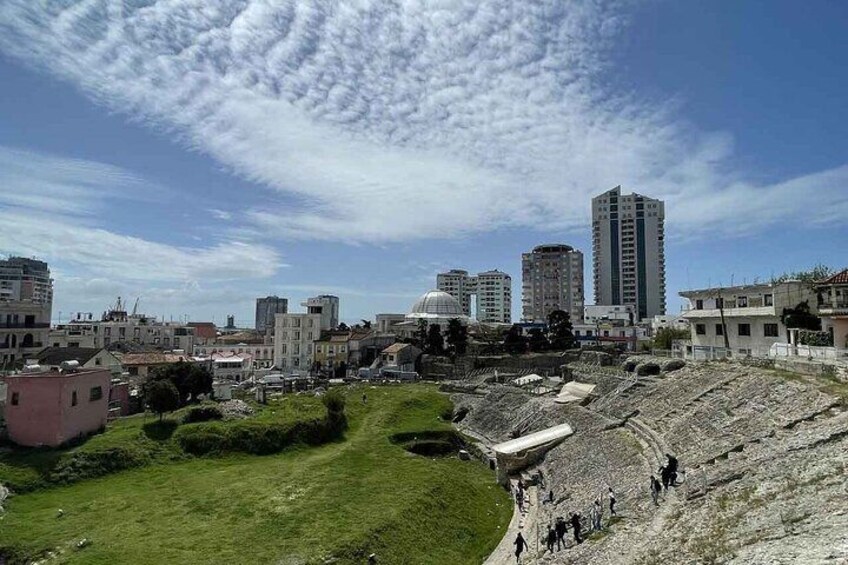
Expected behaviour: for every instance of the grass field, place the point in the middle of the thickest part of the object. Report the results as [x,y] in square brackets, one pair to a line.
[344,500]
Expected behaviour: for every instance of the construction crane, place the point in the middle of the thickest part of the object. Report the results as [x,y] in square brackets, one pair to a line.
[135,306]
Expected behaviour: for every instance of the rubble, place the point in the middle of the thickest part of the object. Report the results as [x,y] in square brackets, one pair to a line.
[235,409]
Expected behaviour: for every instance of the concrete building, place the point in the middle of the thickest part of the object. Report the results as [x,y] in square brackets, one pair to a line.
[262,354]
[51,408]
[143,364]
[492,291]
[295,334]
[386,323]
[400,355]
[87,357]
[598,313]
[628,250]
[116,326]
[267,309]
[745,319]
[26,306]
[832,304]
[552,279]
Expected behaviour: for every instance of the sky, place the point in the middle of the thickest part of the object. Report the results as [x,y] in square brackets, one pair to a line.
[197,155]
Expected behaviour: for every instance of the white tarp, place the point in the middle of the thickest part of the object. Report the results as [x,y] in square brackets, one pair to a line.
[536,439]
[574,392]
[527,380]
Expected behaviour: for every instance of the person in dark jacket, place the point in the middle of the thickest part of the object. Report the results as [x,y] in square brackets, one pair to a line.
[656,487]
[612,503]
[575,525]
[520,546]
[551,539]
[664,476]
[671,467]
[561,528]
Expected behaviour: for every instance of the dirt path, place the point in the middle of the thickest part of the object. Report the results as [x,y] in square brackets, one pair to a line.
[527,523]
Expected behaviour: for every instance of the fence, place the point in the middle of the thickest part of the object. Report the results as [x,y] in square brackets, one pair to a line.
[686,350]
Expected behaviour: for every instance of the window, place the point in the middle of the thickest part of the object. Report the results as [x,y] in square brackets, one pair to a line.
[97,361]
[719,329]
[16,397]
[701,329]
[74,398]
[768,300]
[770,330]
[741,301]
[96,393]
[699,304]
[745,329]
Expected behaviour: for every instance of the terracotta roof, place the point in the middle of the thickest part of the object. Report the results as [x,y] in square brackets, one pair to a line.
[57,355]
[395,347]
[839,278]
[152,358]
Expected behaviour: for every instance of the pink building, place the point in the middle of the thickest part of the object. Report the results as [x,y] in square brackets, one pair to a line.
[51,408]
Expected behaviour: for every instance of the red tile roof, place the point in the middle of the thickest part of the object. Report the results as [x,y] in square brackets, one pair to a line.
[838,278]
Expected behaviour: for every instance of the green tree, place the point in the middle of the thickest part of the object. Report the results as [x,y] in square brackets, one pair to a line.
[815,273]
[334,402]
[666,336]
[161,396]
[560,330]
[537,340]
[514,340]
[366,324]
[191,380]
[457,337]
[800,317]
[435,342]
[342,327]
[420,338]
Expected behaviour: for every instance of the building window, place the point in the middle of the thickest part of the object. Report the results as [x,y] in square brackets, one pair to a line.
[701,329]
[16,397]
[768,299]
[719,329]
[699,304]
[74,398]
[770,330]
[745,329]
[741,301]
[96,393]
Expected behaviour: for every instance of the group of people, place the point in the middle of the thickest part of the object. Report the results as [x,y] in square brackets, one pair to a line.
[556,535]
[668,476]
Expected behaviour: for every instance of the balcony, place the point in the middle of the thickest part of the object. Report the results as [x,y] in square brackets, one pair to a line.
[838,307]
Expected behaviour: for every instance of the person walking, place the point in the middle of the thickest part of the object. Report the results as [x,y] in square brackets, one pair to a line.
[575,525]
[519,499]
[655,490]
[611,495]
[664,475]
[597,514]
[671,466]
[551,539]
[550,498]
[364,399]
[520,546]
[561,528]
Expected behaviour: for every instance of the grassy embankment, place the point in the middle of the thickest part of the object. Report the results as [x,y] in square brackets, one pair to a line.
[345,499]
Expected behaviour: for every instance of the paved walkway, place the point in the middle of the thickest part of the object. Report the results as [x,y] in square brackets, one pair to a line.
[527,523]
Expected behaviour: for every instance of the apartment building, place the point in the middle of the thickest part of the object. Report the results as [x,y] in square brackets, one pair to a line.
[295,333]
[266,310]
[26,306]
[492,291]
[628,250]
[745,319]
[552,279]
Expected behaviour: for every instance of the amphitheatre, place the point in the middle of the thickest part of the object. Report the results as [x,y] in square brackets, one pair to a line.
[762,453]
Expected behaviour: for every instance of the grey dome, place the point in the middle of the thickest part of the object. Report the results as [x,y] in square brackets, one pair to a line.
[437,303]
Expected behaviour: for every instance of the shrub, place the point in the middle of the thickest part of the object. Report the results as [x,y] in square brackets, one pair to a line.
[204,413]
[257,438]
[96,463]
[334,401]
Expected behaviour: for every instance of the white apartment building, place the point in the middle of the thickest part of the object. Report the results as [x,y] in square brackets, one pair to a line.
[26,306]
[596,313]
[117,326]
[745,319]
[295,334]
[491,289]
[628,250]
[552,279]
[262,355]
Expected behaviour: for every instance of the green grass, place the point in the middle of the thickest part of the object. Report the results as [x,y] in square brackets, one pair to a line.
[346,499]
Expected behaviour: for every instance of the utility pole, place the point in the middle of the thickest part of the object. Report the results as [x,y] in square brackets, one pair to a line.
[723,323]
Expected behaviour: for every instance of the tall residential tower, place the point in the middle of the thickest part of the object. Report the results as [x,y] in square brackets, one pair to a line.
[266,310]
[629,252]
[552,279]
[492,290]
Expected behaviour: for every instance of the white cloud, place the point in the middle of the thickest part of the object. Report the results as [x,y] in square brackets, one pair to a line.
[404,120]
[49,208]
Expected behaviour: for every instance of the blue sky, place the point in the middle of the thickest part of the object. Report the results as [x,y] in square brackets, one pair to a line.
[200,157]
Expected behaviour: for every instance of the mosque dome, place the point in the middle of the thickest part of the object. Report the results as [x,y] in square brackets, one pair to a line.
[436,304]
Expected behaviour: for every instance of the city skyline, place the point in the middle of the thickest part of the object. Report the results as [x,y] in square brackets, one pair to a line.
[200,209]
